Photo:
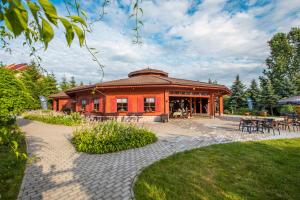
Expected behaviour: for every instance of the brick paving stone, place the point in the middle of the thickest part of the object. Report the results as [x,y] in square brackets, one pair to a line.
[59,172]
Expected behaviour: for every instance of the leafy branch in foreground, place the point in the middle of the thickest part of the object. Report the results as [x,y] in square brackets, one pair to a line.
[137,13]
[35,21]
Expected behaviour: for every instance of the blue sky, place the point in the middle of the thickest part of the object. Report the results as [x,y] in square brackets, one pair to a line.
[192,39]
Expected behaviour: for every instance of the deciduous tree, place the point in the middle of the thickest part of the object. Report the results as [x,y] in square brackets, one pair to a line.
[14,97]
[283,64]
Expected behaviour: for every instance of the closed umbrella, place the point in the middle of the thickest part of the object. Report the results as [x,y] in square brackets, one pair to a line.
[295,100]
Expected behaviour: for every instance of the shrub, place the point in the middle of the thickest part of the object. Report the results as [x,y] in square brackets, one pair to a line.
[111,137]
[55,118]
[287,109]
[12,160]
[14,98]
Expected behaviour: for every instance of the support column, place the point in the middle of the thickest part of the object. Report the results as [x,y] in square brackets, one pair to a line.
[195,108]
[191,101]
[212,105]
[221,105]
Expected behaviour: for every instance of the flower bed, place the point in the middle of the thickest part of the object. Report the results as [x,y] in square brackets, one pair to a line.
[51,117]
[111,136]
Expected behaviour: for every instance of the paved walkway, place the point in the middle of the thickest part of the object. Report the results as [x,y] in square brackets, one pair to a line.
[59,172]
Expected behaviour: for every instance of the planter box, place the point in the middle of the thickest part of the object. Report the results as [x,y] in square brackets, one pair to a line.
[263,113]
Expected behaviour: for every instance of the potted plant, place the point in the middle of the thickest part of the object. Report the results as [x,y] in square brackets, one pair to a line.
[263,113]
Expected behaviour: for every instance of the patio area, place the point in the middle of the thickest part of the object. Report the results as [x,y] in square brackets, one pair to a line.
[57,171]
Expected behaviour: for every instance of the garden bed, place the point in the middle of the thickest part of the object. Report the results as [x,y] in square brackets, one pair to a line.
[52,117]
[111,136]
[250,170]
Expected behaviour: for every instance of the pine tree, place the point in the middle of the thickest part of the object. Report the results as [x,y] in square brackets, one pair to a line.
[32,78]
[64,85]
[253,92]
[267,97]
[237,98]
[72,82]
[49,85]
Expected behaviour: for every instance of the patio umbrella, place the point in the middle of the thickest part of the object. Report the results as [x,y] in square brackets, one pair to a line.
[295,100]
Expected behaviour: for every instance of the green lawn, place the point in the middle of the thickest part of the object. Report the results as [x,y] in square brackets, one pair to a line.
[11,171]
[250,170]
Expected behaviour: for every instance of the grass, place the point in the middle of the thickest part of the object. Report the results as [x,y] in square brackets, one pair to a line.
[11,167]
[250,170]
[52,117]
[111,136]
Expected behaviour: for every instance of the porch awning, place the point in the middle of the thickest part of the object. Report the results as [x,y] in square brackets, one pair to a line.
[295,100]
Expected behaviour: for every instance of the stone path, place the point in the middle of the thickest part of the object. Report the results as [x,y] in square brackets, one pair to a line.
[59,172]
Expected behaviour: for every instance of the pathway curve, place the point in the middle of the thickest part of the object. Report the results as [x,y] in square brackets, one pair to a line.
[59,172]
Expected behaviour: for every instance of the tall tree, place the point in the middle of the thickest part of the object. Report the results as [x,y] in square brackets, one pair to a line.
[64,85]
[237,98]
[14,97]
[253,92]
[283,64]
[39,83]
[32,78]
[267,97]
[49,85]
[72,82]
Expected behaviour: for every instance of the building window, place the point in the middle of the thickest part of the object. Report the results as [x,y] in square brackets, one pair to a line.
[122,105]
[83,104]
[149,104]
[96,104]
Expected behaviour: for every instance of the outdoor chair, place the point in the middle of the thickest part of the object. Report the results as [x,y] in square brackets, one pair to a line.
[131,117]
[247,124]
[139,115]
[295,124]
[271,124]
[286,123]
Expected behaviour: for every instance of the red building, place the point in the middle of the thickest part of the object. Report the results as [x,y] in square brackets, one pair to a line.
[148,92]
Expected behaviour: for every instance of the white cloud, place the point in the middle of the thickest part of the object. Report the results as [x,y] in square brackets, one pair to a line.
[210,43]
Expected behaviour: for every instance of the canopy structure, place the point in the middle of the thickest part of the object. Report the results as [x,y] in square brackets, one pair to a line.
[295,100]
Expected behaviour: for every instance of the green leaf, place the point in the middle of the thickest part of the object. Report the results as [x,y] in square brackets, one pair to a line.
[21,16]
[47,32]
[50,11]
[34,8]
[1,16]
[84,13]
[69,30]
[79,19]
[79,34]
[12,22]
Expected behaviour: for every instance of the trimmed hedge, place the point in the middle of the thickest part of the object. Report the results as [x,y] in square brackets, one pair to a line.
[51,117]
[111,136]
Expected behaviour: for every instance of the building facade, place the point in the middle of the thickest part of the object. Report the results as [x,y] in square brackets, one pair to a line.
[148,92]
